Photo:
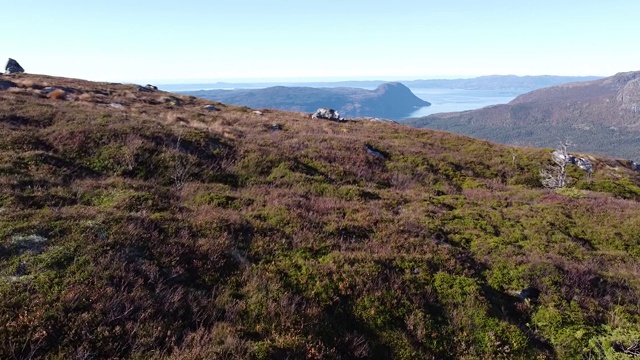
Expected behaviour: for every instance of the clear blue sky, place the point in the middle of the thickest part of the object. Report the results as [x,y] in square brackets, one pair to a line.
[176,41]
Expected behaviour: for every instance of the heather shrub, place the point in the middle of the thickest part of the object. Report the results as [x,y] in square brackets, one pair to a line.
[57,94]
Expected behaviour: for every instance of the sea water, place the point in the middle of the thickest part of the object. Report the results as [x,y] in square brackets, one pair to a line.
[451,100]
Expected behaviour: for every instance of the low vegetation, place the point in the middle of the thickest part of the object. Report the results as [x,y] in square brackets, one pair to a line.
[136,224]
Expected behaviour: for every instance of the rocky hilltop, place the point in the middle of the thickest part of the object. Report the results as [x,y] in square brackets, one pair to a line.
[601,116]
[389,100]
[141,224]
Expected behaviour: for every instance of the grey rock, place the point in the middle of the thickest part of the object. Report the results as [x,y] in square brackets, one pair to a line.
[116,106]
[276,127]
[29,243]
[48,89]
[327,114]
[210,108]
[4,84]
[173,101]
[373,152]
[13,67]
[635,166]
[147,88]
[258,112]
[558,156]
[584,164]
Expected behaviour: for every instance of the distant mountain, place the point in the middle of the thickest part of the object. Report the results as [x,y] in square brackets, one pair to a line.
[601,116]
[492,82]
[500,82]
[389,100]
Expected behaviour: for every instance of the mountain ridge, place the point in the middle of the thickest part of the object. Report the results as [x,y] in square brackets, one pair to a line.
[590,113]
[487,82]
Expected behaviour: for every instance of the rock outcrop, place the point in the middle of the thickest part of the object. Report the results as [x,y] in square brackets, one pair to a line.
[13,67]
[147,88]
[210,108]
[327,114]
[4,84]
[582,163]
[629,96]
[374,152]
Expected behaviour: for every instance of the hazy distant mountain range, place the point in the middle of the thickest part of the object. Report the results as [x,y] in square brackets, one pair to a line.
[491,82]
[600,116]
[389,100]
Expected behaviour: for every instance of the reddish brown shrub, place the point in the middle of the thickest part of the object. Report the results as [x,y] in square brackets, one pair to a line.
[57,94]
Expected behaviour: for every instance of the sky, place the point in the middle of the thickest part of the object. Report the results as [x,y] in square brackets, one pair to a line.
[247,40]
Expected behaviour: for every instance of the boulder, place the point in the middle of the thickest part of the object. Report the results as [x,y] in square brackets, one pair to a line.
[635,166]
[4,84]
[373,151]
[584,164]
[559,157]
[327,114]
[13,67]
[147,88]
[210,108]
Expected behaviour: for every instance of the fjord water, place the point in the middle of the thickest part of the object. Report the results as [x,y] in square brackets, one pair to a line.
[441,99]
[452,100]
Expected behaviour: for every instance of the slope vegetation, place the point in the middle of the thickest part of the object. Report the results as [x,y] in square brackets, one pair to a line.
[600,116]
[139,224]
[388,100]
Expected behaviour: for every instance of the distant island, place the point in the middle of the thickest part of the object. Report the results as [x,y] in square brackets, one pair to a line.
[599,116]
[370,98]
[389,100]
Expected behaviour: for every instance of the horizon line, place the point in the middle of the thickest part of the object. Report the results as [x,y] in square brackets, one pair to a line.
[335,79]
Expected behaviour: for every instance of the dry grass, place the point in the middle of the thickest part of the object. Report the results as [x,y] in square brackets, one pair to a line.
[86,97]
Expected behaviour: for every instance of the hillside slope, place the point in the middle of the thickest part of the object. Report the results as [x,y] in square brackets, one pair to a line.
[141,224]
[600,116]
[388,100]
